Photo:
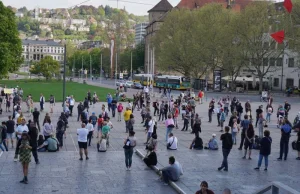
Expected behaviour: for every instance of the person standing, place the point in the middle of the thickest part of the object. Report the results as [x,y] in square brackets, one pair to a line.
[166,109]
[82,134]
[3,136]
[150,128]
[109,101]
[129,144]
[120,110]
[126,115]
[211,108]
[249,140]
[86,104]
[33,134]
[258,112]
[36,116]
[269,109]
[245,125]
[89,97]
[169,123]
[161,111]
[90,127]
[222,119]
[47,128]
[284,140]
[261,121]
[42,102]
[227,144]
[265,150]
[52,103]
[80,109]
[10,125]
[22,128]
[197,125]
[71,104]
[25,155]
[156,107]
[60,131]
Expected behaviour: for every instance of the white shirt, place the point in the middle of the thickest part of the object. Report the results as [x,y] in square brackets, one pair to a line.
[151,126]
[82,134]
[16,117]
[129,105]
[146,89]
[22,129]
[90,127]
[174,144]
[72,102]
[42,98]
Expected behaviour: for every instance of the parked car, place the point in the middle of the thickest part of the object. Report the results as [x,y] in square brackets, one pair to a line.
[137,86]
[129,84]
[120,83]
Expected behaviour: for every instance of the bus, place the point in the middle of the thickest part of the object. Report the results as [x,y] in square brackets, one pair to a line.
[173,82]
[144,79]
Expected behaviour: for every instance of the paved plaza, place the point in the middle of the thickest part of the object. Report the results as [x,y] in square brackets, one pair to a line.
[62,172]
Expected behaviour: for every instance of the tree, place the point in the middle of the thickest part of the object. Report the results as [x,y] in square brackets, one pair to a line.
[254,26]
[27,27]
[10,43]
[48,67]
[68,31]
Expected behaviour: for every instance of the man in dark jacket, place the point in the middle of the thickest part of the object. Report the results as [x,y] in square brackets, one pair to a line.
[227,143]
[244,125]
[284,140]
[265,149]
[258,112]
[36,116]
[80,109]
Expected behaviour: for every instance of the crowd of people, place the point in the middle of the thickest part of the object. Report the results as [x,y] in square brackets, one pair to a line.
[172,112]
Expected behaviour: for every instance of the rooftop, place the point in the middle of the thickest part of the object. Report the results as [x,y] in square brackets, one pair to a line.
[162,6]
[40,42]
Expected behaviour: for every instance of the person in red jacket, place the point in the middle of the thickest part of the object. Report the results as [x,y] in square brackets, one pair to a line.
[176,114]
[204,189]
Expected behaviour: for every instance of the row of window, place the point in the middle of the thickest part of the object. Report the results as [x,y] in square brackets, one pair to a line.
[289,82]
[37,57]
[278,62]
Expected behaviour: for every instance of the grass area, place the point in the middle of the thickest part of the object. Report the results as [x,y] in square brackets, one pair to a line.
[35,87]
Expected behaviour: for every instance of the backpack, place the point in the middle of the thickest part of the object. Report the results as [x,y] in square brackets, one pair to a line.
[120,108]
[256,144]
[127,144]
[102,147]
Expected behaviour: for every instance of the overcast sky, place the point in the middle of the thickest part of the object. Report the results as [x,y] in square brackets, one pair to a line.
[137,9]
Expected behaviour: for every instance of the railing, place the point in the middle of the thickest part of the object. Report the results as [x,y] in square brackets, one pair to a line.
[277,188]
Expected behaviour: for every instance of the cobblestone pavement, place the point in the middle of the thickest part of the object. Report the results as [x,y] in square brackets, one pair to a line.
[62,172]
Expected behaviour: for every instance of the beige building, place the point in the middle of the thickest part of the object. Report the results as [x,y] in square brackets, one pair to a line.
[156,18]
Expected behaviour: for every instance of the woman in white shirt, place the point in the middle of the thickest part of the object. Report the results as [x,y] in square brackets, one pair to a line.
[172,142]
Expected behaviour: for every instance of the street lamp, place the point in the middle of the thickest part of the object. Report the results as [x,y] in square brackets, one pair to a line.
[64,76]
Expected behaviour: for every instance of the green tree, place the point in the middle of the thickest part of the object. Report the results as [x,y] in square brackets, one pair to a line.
[27,27]
[253,34]
[68,31]
[48,67]
[10,43]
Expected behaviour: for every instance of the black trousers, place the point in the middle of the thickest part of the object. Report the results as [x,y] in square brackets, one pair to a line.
[218,117]
[37,123]
[113,111]
[148,162]
[155,111]
[243,136]
[192,125]
[34,153]
[284,147]
[59,137]
[89,137]
[71,109]
[256,121]
[209,116]
[166,115]
[185,126]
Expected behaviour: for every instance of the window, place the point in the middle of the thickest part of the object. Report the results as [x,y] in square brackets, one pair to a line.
[58,58]
[265,62]
[34,56]
[27,57]
[289,82]
[291,62]
[276,82]
[279,62]
[272,61]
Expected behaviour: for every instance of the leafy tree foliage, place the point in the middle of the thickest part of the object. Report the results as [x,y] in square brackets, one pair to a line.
[10,44]
[47,67]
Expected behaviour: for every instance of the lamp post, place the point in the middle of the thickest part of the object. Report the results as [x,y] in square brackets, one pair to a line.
[64,77]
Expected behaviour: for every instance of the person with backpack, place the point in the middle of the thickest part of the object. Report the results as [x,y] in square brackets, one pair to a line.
[120,110]
[249,140]
[244,125]
[265,150]
[129,144]
[93,119]
[286,130]
[227,144]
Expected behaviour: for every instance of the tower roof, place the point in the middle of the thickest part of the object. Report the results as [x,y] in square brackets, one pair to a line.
[162,6]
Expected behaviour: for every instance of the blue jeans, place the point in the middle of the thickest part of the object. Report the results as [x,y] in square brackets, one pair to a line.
[168,131]
[5,146]
[225,156]
[128,157]
[260,160]
[268,117]
[167,176]
[234,137]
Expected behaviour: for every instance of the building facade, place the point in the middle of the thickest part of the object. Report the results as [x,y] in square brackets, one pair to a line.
[140,32]
[35,50]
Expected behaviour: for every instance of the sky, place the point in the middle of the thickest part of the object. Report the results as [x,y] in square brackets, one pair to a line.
[137,9]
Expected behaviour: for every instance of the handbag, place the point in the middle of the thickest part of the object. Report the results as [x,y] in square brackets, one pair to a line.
[170,144]
[127,144]
[171,126]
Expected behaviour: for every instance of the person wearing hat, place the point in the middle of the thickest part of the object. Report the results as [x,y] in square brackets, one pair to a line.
[213,143]
[151,158]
